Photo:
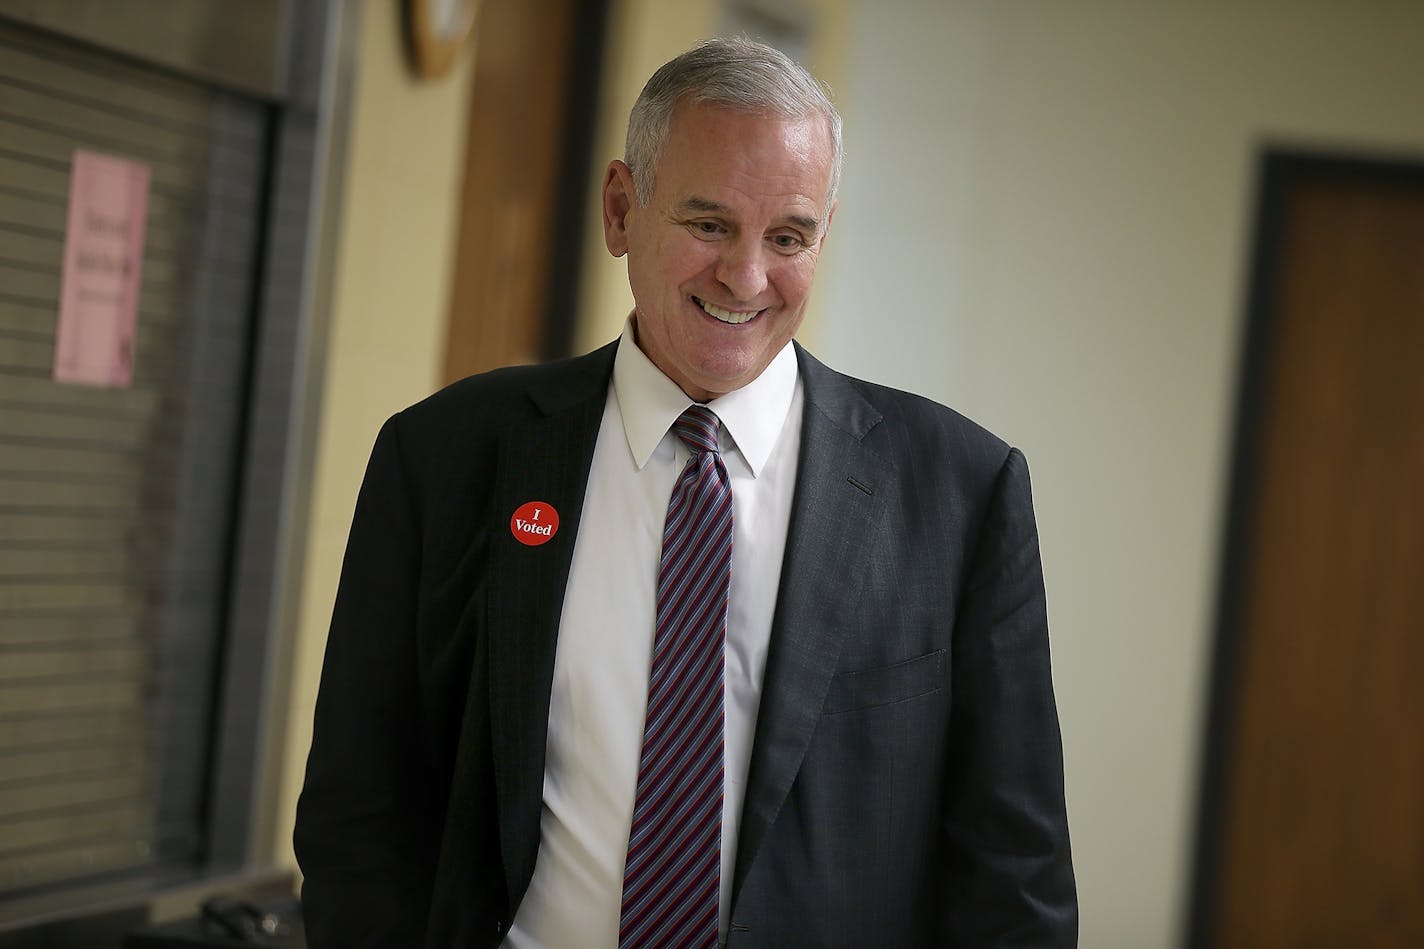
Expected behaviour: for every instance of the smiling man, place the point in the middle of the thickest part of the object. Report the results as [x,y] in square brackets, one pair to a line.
[739,208]
[692,640]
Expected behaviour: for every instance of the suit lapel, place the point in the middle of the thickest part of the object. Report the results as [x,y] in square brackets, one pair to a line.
[835,513]
[545,460]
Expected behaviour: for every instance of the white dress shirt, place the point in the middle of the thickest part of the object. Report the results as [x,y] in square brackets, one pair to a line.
[604,653]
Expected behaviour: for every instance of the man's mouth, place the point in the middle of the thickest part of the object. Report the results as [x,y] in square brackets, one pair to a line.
[726,316]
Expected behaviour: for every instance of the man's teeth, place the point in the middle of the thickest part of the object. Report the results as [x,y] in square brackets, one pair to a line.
[727,316]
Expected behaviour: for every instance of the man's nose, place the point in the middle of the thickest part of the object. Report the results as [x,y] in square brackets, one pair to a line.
[742,269]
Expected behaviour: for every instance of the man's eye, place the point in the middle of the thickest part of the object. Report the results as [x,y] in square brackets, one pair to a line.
[787,242]
[710,228]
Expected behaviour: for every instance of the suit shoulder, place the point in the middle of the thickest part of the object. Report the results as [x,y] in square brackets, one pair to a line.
[916,426]
[924,413]
[453,435]
[490,401]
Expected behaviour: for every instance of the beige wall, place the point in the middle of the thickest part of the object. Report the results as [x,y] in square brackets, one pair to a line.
[387,332]
[1044,222]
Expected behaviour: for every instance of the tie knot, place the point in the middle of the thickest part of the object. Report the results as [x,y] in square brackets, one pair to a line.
[697,427]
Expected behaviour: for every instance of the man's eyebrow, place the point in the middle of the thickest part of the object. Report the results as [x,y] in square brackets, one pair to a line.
[809,224]
[702,205]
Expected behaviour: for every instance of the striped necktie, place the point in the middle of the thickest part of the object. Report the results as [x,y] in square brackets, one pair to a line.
[672,877]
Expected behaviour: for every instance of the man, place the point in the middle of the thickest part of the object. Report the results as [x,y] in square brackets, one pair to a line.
[692,638]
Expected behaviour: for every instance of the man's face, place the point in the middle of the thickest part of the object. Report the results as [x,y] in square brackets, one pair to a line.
[721,258]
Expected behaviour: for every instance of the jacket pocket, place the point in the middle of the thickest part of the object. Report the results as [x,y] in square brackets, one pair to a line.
[884,685]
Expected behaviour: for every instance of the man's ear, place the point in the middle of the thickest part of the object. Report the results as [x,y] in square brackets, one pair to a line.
[618,201]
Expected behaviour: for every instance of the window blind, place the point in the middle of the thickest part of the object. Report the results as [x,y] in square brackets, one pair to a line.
[116,505]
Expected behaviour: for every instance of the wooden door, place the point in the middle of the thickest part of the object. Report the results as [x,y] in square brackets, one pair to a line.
[1312,829]
[531,126]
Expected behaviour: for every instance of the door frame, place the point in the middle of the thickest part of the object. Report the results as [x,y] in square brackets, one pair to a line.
[1279,169]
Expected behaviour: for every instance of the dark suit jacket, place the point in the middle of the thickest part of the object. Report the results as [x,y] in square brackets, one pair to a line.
[905,785]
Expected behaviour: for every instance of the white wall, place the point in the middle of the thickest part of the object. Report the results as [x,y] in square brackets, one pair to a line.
[1044,223]
[404,176]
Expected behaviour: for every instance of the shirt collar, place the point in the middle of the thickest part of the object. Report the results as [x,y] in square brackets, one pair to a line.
[650,402]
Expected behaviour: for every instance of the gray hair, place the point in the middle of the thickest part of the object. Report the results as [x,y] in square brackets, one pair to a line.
[735,73]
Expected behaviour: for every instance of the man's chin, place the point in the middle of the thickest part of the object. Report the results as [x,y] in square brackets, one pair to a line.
[717,381]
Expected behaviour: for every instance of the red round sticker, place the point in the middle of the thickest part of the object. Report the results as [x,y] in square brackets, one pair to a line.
[535,523]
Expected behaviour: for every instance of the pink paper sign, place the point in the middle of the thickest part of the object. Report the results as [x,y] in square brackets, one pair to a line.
[103,263]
